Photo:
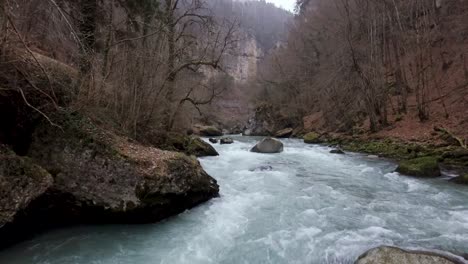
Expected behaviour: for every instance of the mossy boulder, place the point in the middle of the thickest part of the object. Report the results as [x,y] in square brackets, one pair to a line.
[461,179]
[208,131]
[21,182]
[114,175]
[190,145]
[312,138]
[173,141]
[98,178]
[420,167]
[197,147]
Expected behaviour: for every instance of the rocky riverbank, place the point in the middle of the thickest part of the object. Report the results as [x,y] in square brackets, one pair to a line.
[77,173]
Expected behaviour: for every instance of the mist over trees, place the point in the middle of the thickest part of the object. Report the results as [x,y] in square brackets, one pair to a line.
[360,62]
[141,64]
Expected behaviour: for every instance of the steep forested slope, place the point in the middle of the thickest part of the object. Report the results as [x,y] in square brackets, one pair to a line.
[396,68]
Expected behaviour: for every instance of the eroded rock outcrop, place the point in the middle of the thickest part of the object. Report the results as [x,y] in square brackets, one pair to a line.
[99,177]
[21,183]
[284,133]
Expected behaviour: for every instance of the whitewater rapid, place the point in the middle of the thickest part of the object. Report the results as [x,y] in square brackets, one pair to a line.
[304,205]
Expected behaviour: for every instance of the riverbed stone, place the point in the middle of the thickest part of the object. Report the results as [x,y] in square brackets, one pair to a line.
[312,138]
[394,255]
[337,151]
[209,131]
[268,145]
[213,140]
[284,133]
[226,141]
[463,179]
[420,167]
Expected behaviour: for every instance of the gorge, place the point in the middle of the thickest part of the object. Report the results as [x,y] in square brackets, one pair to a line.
[199,131]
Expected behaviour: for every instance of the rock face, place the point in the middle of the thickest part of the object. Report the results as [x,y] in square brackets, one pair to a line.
[268,145]
[21,182]
[226,141]
[102,178]
[420,167]
[267,120]
[284,133]
[393,255]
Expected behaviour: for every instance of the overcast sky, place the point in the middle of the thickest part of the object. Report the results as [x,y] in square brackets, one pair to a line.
[286,4]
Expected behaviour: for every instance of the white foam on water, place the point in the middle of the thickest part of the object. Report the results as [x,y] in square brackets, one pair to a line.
[310,207]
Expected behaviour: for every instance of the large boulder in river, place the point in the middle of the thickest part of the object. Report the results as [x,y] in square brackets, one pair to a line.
[284,133]
[268,145]
[393,255]
[420,167]
[21,182]
[103,178]
[208,131]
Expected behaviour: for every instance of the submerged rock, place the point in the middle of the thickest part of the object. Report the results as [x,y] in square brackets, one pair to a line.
[284,133]
[102,178]
[312,138]
[420,167]
[393,255]
[337,151]
[461,179]
[226,141]
[268,145]
[213,140]
[262,168]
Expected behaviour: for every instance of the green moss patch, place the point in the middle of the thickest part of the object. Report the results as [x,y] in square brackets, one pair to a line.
[420,167]
[189,145]
[312,138]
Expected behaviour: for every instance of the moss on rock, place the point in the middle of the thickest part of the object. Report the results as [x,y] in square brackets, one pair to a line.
[209,131]
[21,182]
[420,167]
[190,145]
[312,138]
[461,179]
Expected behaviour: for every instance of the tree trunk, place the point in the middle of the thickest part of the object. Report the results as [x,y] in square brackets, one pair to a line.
[87,26]
[171,75]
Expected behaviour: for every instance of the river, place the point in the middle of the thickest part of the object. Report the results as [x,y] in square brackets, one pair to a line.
[304,205]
